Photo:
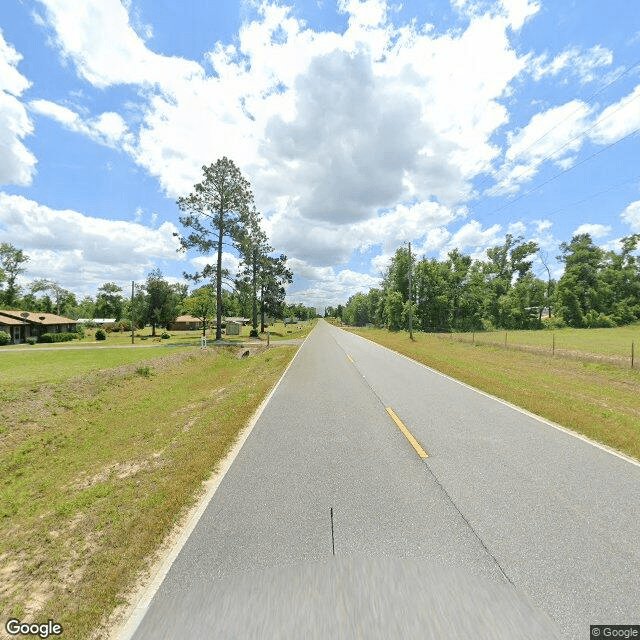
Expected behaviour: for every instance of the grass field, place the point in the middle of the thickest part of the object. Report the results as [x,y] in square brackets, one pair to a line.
[601,401]
[615,343]
[101,453]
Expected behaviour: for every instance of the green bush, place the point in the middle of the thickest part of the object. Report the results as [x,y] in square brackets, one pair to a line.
[32,339]
[253,333]
[80,332]
[554,322]
[101,334]
[5,338]
[164,335]
[57,337]
[594,320]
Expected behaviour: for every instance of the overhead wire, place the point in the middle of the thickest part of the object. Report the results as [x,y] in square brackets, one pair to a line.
[569,115]
[557,175]
[579,135]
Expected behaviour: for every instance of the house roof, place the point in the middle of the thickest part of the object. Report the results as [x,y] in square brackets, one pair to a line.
[36,317]
[6,320]
[187,318]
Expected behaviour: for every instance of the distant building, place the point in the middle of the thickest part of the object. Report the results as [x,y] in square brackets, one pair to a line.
[186,323]
[98,321]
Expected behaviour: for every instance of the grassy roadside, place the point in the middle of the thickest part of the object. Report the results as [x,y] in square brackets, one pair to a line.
[96,472]
[600,401]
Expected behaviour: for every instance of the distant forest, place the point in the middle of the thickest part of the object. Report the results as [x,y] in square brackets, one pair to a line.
[597,289]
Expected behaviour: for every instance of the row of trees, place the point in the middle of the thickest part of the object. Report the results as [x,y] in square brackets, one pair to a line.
[597,289]
[218,213]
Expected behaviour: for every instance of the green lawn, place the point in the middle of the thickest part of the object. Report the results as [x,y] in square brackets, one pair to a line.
[27,368]
[607,342]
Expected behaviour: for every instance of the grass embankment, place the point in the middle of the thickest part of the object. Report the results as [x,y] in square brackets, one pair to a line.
[96,468]
[601,401]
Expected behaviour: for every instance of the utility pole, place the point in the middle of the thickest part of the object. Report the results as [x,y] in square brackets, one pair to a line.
[410,304]
[132,312]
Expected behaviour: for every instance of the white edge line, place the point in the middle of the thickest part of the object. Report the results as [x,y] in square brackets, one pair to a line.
[549,423]
[138,611]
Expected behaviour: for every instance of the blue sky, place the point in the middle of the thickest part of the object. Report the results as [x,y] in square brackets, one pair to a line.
[361,124]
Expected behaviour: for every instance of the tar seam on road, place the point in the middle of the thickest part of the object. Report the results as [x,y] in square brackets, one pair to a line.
[480,540]
[426,464]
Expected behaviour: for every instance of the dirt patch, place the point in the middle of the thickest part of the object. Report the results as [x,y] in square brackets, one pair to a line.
[119,470]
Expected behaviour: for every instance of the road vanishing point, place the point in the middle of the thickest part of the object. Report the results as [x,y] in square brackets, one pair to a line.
[377,498]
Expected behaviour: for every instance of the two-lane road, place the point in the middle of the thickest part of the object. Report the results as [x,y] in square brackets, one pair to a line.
[504,506]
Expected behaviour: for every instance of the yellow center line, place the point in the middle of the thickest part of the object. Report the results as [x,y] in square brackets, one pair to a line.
[407,434]
[350,358]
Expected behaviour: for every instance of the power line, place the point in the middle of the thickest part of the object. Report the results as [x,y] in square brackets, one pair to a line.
[579,135]
[571,114]
[557,175]
[590,197]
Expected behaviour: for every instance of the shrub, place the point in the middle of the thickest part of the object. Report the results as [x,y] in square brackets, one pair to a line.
[554,322]
[110,326]
[5,338]
[143,371]
[57,337]
[101,335]
[164,335]
[253,333]
[32,339]
[80,332]
[90,324]
[593,320]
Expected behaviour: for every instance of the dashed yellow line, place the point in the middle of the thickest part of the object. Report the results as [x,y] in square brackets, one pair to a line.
[407,434]
[350,358]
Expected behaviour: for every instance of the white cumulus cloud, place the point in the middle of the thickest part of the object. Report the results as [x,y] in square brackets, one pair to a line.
[594,230]
[80,251]
[631,215]
[17,163]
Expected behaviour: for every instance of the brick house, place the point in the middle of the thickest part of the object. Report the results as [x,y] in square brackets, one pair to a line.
[186,323]
[21,325]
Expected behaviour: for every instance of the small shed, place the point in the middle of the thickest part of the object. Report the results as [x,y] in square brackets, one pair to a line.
[233,328]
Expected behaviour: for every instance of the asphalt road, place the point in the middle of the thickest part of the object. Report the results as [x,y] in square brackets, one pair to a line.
[509,529]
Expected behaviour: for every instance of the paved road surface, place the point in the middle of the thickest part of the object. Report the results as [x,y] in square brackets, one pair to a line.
[510,528]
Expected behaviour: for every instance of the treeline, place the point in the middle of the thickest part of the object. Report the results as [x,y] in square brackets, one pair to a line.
[597,289]
[156,302]
[219,212]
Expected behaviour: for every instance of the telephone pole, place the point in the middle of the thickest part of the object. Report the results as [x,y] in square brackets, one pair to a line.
[410,304]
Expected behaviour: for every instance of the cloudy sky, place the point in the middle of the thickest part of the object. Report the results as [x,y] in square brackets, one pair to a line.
[361,124]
